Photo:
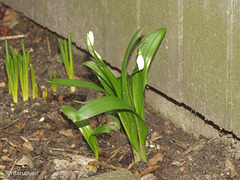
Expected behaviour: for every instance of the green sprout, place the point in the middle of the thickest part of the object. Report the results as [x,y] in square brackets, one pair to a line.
[124,94]
[54,86]
[23,63]
[11,64]
[67,56]
[34,84]
[45,93]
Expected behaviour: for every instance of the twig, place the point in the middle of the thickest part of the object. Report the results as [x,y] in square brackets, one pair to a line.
[10,124]
[12,37]
[10,172]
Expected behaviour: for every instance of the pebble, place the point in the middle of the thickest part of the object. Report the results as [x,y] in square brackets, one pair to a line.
[149,177]
[70,175]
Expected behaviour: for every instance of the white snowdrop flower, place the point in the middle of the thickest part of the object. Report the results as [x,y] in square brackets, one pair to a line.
[140,62]
[90,39]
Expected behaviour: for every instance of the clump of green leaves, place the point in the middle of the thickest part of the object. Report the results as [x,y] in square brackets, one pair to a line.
[17,68]
[124,94]
[67,56]
[11,63]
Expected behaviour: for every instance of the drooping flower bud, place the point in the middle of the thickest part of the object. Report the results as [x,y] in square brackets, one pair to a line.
[90,38]
[140,62]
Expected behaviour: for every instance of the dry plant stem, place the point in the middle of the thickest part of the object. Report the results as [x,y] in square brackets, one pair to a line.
[49,48]
[12,37]
[10,172]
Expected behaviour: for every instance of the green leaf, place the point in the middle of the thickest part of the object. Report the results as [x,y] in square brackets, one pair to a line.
[101,129]
[101,105]
[76,83]
[84,127]
[102,77]
[124,65]
[148,49]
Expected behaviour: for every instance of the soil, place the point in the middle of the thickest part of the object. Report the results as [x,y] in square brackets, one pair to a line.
[35,128]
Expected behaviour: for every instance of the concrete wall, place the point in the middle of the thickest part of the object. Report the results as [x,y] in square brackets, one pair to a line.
[197,64]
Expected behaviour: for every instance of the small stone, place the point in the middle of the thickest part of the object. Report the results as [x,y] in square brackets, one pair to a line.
[149,176]
[70,175]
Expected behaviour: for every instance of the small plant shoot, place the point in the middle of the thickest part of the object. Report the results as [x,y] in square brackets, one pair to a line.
[17,69]
[124,95]
[67,56]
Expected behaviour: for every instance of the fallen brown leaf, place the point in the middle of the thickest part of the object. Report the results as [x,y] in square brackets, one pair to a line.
[2,167]
[182,169]
[158,157]
[25,160]
[149,170]
[67,132]
[6,158]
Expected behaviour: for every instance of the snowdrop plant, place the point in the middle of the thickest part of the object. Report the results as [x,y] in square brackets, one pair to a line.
[124,94]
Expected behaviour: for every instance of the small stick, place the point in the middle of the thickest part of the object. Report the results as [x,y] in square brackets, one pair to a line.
[12,37]
[10,124]
[9,174]
[49,48]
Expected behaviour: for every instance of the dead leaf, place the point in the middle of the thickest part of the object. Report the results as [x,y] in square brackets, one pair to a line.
[2,84]
[67,132]
[155,159]
[2,167]
[178,163]
[230,167]
[149,170]
[60,98]
[180,144]
[6,158]
[182,169]
[25,160]
[28,145]
[198,146]
[16,144]
[155,136]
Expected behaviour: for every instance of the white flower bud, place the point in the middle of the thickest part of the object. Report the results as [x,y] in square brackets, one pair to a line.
[90,39]
[140,62]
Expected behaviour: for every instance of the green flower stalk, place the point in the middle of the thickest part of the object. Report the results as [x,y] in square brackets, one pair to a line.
[11,64]
[124,94]
[67,56]
[34,84]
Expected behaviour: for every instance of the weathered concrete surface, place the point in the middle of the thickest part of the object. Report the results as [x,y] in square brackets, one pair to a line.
[197,64]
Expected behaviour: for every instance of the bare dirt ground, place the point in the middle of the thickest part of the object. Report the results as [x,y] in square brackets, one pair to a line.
[35,132]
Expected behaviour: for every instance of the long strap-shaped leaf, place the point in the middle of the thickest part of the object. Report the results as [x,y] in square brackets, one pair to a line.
[124,65]
[101,105]
[149,48]
[110,90]
[84,127]
[76,83]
